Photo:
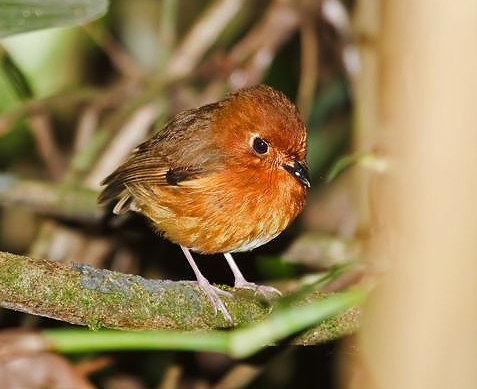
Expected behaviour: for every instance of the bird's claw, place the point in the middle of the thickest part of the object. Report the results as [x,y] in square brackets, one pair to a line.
[267,291]
[213,293]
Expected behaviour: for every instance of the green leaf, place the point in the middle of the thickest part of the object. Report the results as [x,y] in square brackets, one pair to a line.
[368,160]
[15,76]
[340,165]
[17,16]
[238,343]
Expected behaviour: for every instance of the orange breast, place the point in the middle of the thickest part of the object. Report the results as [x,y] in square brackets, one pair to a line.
[223,212]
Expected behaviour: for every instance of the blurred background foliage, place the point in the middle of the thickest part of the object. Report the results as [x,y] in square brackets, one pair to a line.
[75,100]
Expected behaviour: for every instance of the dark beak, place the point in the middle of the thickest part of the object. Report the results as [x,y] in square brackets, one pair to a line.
[299,171]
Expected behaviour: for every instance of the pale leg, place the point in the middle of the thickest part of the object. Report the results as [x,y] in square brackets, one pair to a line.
[211,291]
[241,282]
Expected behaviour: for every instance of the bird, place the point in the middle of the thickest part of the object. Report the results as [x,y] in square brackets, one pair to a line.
[223,178]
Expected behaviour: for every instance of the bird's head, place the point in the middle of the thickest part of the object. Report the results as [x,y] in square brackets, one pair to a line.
[263,134]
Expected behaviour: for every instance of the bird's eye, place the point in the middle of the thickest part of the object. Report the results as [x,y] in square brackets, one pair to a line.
[259,145]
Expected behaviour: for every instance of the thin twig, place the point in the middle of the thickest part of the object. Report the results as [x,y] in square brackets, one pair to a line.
[129,136]
[88,122]
[123,62]
[167,31]
[171,377]
[239,376]
[257,49]
[72,203]
[49,151]
[309,64]
[64,101]
[201,37]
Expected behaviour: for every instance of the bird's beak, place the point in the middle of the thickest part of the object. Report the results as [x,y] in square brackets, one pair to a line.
[299,171]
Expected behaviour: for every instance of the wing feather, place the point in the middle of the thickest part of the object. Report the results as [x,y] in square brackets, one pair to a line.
[181,152]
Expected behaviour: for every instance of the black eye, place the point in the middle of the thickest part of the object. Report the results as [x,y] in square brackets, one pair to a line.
[260,146]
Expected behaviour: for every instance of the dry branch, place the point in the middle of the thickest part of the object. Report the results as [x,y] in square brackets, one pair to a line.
[63,201]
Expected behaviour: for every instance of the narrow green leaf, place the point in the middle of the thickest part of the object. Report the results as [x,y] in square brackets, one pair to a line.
[15,76]
[238,343]
[369,161]
[17,16]
[340,165]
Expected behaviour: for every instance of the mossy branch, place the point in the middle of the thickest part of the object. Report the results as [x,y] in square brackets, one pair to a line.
[81,294]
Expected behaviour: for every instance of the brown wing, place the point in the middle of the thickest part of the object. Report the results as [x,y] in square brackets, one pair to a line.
[182,151]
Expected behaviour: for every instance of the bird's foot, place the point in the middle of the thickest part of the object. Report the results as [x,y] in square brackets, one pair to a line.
[267,291]
[241,282]
[214,293]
